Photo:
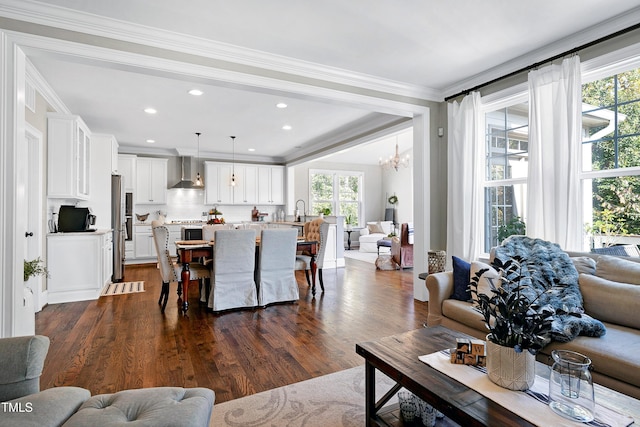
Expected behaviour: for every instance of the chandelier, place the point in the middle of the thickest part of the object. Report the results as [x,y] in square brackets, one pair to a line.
[395,161]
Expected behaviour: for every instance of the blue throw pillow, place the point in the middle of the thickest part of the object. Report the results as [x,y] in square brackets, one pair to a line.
[461,279]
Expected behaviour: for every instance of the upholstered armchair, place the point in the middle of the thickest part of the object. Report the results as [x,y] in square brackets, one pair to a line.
[22,360]
[402,246]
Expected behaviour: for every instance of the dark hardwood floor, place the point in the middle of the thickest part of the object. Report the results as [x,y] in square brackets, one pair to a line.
[122,342]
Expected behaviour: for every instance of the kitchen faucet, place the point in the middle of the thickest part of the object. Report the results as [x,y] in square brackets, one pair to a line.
[304,211]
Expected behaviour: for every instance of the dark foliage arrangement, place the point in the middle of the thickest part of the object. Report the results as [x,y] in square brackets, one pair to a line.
[513,319]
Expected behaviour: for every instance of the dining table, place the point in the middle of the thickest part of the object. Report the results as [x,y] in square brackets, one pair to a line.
[189,250]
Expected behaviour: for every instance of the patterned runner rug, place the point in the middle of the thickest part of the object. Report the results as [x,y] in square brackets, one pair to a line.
[122,288]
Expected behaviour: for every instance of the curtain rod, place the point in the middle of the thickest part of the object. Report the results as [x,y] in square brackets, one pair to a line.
[553,58]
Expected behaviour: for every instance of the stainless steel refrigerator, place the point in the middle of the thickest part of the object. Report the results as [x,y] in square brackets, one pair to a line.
[118,226]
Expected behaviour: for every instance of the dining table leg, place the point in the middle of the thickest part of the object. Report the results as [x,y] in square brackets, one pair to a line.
[185,276]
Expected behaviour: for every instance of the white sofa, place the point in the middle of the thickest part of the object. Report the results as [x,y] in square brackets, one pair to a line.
[368,239]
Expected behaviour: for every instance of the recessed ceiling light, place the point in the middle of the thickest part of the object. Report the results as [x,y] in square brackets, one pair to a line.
[151,141]
[150,110]
[252,149]
[281,105]
[286,127]
[195,92]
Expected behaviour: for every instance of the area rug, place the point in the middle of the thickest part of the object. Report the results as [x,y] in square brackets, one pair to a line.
[122,288]
[331,400]
[369,257]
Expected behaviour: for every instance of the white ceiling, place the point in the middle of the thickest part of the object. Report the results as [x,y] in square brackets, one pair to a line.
[432,48]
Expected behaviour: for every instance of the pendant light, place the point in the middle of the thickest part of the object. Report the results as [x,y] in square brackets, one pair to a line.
[233,162]
[198,182]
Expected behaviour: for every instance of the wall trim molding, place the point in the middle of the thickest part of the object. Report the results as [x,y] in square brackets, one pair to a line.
[59,17]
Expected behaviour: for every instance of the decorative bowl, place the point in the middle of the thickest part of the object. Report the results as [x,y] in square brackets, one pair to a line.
[143,217]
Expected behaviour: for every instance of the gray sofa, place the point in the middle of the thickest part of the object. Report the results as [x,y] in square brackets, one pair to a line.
[610,288]
[24,405]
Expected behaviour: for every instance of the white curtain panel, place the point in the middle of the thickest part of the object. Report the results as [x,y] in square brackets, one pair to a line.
[555,107]
[465,179]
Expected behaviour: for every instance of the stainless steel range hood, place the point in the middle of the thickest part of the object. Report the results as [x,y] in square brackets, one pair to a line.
[186,164]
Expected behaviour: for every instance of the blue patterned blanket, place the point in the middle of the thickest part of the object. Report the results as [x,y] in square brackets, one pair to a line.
[553,271]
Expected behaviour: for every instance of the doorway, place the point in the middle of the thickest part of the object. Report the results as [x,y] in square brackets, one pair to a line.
[35,231]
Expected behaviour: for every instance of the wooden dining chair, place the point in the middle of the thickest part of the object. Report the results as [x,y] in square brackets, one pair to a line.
[276,261]
[170,270]
[232,280]
[316,230]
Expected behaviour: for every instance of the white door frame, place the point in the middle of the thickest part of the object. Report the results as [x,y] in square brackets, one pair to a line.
[35,245]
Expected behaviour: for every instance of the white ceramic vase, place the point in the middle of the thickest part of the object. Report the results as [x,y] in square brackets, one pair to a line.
[509,369]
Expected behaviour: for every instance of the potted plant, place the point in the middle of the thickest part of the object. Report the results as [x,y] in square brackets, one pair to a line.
[518,326]
[348,221]
[34,268]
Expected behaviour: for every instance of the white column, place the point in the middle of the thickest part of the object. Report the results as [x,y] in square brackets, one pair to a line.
[421,202]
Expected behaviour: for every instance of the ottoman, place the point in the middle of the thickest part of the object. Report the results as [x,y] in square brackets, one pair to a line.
[153,407]
[385,243]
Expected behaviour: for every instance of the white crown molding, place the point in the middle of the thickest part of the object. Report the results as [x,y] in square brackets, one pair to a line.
[40,45]
[595,32]
[40,84]
[58,17]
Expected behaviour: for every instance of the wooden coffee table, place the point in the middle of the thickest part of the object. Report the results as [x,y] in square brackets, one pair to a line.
[397,357]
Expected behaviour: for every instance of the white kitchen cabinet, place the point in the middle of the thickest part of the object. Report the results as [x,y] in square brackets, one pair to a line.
[217,183]
[143,242]
[151,181]
[129,252]
[79,264]
[270,185]
[127,168]
[69,157]
[246,189]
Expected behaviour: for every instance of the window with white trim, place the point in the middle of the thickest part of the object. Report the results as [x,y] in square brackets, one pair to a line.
[611,159]
[336,192]
[506,169]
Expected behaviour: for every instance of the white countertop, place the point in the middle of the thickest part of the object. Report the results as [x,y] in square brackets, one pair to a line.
[83,233]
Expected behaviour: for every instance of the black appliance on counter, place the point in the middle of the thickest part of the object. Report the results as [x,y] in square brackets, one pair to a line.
[191,233]
[72,219]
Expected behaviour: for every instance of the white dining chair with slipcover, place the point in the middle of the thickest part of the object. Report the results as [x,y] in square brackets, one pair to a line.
[232,276]
[316,230]
[170,270]
[276,277]
[209,229]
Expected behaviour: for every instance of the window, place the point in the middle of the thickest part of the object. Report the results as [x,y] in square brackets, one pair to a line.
[338,191]
[611,157]
[507,145]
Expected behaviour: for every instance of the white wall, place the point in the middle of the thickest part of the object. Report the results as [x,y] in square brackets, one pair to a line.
[400,183]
